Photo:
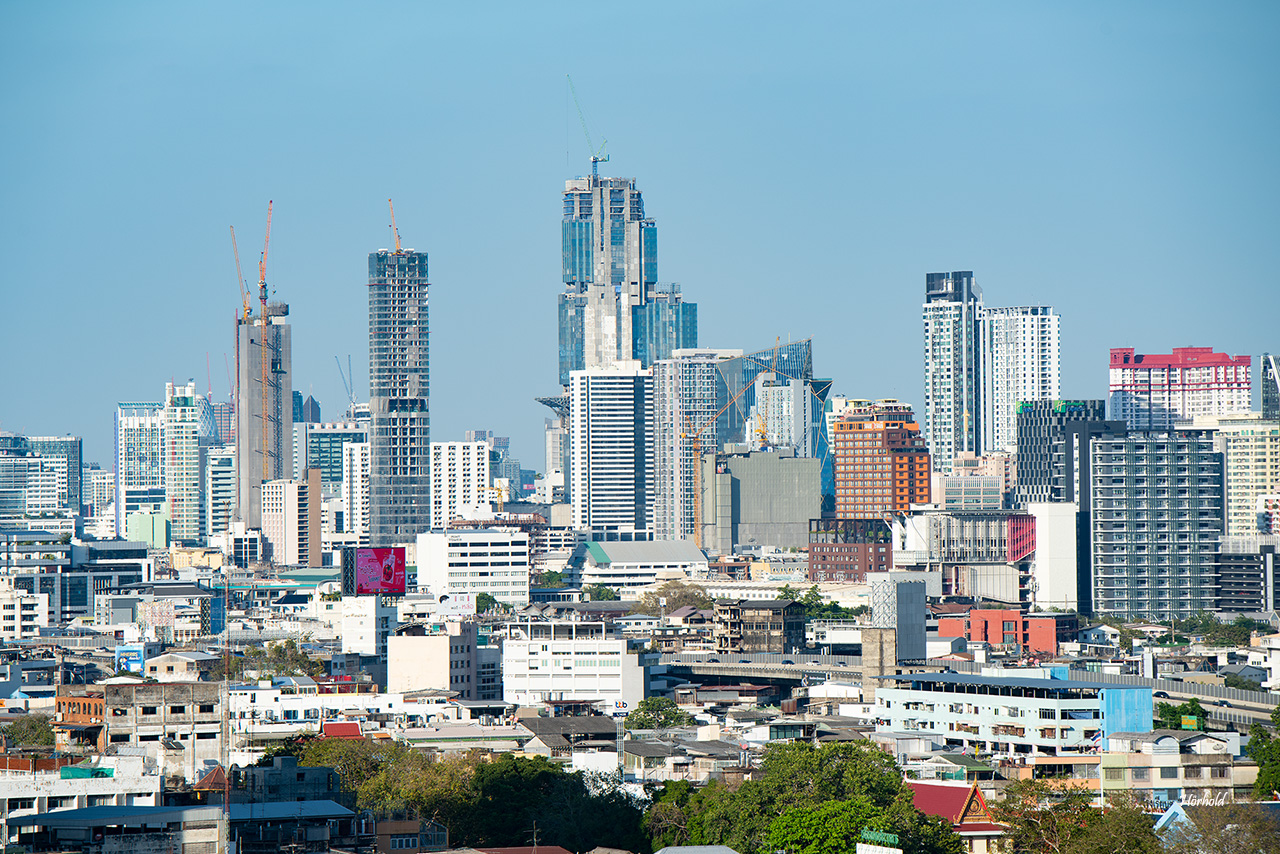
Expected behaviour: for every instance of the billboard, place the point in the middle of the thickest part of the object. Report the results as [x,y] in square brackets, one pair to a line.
[380,571]
[456,605]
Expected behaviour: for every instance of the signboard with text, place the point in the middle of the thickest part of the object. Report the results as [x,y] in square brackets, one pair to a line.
[380,571]
[456,605]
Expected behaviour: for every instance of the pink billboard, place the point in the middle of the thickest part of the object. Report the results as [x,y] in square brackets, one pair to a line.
[379,571]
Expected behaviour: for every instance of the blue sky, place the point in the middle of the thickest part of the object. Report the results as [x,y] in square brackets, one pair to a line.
[806,165]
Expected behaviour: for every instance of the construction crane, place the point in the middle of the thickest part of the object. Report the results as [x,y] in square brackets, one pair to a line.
[596,158]
[694,436]
[244,292]
[395,231]
[348,383]
[263,353]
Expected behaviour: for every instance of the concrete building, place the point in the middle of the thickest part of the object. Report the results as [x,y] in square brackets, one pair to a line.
[22,614]
[367,622]
[355,489]
[459,480]
[881,464]
[750,626]
[1270,387]
[781,416]
[1157,515]
[475,561]
[574,661]
[611,441]
[399,374]
[845,550]
[220,489]
[106,781]
[1251,452]
[179,724]
[1157,392]
[188,431]
[613,308]
[1020,349]
[264,406]
[444,656]
[291,516]
[139,457]
[1041,430]
[319,445]
[70,450]
[1168,766]
[626,567]
[952,420]
[1011,629]
[1010,714]
[968,492]
[758,498]
[29,484]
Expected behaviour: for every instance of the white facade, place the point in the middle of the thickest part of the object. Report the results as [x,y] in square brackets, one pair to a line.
[573,661]
[1020,362]
[1251,449]
[1055,572]
[459,480]
[139,451]
[445,660]
[367,622]
[475,561]
[952,394]
[1156,392]
[355,489]
[287,524]
[612,447]
[220,489]
[780,417]
[188,428]
[22,614]
[133,783]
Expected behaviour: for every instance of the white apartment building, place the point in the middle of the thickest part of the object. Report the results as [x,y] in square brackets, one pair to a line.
[549,661]
[188,430]
[952,394]
[220,489]
[475,561]
[1158,391]
[139,455]
[611,447]
[22,614]
[291,520]
[124,781]
[355,489]
[444,656]
[628,567]
[459,480]
[1021,361]
[367,622]
[1251,455]
[780,417]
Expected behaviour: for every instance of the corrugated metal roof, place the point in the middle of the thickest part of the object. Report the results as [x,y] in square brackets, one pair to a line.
[655,551]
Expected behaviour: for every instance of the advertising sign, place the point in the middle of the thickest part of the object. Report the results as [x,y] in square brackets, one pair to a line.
[130,657]
[456,605]
[379,571]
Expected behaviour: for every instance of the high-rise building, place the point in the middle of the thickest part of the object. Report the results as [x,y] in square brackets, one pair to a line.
[1251,458]
[355,489]
[139,457]
[1270,387]
[220,489]
[952,367]
[1157,392]
[781,415]
[1040,433]
[29,483]
[188,430]
[613,308]
[611,442]
[318,445]
[1157,518]
[1020,362]
[264,406]
[881,463]
[459,480]
[400,447]
[69,449]
[311,410]
[224,416]
[291,515]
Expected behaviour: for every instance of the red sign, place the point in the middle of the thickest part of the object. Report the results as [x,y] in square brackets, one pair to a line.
[379,571]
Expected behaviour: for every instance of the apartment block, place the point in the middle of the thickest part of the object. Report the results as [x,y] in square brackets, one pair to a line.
[291,517]
[1020,349]
[845,550]
[475,561]
[1156,392]
[179,724]
[564,661]
[611,441]
[881,463]
[952,420]
[749,626]
[459,480]
[1007,629]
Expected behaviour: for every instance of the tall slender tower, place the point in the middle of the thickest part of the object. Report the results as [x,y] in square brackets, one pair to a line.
[952,366]
[400,444]
[264,406]
[1020,363]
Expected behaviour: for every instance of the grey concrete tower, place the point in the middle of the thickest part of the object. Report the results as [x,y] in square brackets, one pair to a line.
[400,444]
[264,406]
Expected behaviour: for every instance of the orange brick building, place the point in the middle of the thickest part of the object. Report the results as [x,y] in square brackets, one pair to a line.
[881,461]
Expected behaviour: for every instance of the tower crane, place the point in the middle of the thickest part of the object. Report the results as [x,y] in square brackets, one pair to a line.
[694,436]
[244,292]
[596,158]
[395,231]
[264,354]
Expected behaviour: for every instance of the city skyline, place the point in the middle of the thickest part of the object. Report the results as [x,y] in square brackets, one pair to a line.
[1143,162]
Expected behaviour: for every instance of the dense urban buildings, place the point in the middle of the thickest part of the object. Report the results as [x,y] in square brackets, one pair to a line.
[1156,392]
[400,445]
[459,480]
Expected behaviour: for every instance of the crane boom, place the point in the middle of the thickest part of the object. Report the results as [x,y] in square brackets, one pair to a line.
[596,153]
[394,231]
[262,262]
[244,292]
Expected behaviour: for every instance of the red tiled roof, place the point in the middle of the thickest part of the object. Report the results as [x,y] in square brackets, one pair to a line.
[214,781]
[963,806]
[341,729]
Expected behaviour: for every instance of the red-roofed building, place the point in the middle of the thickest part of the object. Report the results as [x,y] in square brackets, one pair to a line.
[341,729]
[963,806]
[1156,392]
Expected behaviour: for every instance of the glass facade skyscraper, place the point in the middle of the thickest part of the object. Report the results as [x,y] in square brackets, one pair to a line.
[613,307]
[400,444]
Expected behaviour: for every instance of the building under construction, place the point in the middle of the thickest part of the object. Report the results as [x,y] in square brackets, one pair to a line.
[264,406]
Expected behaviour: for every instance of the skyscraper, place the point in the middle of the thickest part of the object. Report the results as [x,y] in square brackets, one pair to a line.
[139,458]
[400,447]
[264,406]
[1020,362]
[1156,392]
[220,489]
[881,463]
[459,480]
[68,449]
[611,438]
[188,430]
[1270,387]
[952,367]
[613,308]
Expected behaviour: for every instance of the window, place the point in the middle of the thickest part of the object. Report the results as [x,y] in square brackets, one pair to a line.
[120,738]
[149,710]
[1169,773]
[206,736]
[22,804]
[1115,773]
[1193,772]
[177,710]
[1141,773]
[206,708]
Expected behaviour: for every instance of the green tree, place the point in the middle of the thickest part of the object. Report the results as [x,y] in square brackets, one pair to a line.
[1231,680]
[600,593]
[1264,748]
[657,713]
[1225,829]
[1169,716]
[678,594]
[485,603]
[1124,827]
[29,731]
[551,579]
[786,591]
[1041,816]
[831,828]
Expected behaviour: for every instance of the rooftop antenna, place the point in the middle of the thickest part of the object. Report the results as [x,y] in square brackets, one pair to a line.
[597,154]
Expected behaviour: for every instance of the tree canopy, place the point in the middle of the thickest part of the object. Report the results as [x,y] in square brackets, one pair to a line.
[1264,748]
[678,594]
[600,593]
[29,731]
[1043,816]
[657,713]
[1170,716]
